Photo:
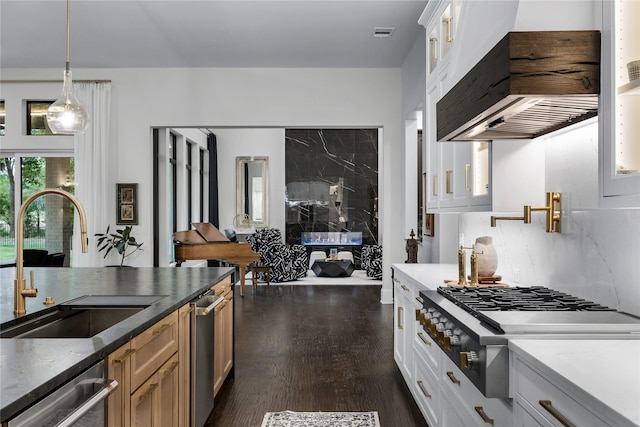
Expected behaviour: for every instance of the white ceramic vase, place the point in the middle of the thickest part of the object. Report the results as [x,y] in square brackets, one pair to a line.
[487,256]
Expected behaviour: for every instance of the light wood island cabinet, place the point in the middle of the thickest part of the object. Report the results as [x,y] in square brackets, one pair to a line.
[148,371]
[223,335]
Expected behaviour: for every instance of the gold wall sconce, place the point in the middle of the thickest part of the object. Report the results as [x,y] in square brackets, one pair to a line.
[553,210]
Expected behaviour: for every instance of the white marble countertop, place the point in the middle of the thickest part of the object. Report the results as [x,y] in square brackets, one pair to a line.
[428,276]
[605,373]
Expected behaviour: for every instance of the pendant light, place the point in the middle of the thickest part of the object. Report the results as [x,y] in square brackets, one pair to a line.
[67,115]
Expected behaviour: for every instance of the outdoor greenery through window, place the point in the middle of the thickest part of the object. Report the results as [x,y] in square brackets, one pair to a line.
[48,223]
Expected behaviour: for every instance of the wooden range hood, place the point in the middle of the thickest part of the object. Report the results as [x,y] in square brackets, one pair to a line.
[529,84]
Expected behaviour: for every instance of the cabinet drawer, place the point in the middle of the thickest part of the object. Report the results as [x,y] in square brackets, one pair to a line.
[152,348]
[482,411]
[428,349]
[426,390]
[549,401]
[222,286]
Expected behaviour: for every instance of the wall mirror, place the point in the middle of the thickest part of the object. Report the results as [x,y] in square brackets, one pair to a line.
[252,199]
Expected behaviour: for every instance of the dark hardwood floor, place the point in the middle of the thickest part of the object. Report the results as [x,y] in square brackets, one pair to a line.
[314,348]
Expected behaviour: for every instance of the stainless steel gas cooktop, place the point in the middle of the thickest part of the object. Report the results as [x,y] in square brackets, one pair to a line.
[473,325]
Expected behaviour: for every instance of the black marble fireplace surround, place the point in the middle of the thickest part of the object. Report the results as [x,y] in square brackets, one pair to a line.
[332,184]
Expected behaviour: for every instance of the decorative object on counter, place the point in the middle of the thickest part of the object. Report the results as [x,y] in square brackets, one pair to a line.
[412,249]
[462,262]
[320,419]
[121,241]
[487,256]
[126,204]
[372,260]
[633,68]
[553,210]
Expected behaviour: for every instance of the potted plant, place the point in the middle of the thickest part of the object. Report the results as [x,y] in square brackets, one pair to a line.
[121,240]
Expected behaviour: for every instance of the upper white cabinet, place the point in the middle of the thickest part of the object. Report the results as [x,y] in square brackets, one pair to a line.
[620,105]
[458,174]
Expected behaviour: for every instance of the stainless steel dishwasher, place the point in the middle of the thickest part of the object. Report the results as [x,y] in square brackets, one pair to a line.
[80,402]
[202,380]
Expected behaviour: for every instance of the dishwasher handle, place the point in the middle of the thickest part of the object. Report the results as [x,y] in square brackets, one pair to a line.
[108,387]
[205,311]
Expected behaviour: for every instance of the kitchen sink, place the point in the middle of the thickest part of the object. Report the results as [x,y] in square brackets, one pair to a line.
[83,317]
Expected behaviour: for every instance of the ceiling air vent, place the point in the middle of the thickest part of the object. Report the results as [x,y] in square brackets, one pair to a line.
[382,32]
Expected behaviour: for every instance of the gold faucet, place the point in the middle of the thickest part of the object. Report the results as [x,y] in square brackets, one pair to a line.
[20,292]
[553,210]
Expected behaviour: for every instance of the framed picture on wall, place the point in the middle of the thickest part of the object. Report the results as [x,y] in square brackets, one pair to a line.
[126,204]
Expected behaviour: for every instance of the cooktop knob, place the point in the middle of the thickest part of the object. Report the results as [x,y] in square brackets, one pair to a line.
[450,340]
[467,359]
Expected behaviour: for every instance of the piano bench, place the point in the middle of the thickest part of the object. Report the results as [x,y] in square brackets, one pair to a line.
[260,269]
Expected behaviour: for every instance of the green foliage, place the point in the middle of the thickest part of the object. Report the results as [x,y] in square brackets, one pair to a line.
[121,241]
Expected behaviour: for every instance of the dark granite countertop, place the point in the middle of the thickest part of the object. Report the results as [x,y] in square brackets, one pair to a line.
[31,367]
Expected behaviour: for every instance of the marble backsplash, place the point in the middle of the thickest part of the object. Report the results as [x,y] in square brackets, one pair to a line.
[596,256]
[593,258]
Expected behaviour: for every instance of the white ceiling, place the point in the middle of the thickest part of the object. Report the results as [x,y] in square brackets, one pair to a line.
[207,33]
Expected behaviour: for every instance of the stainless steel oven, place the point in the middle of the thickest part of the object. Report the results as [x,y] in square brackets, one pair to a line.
[79,402]
[472,326]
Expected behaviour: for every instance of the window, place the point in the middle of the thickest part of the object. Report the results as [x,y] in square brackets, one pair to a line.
[48,222]
[173,184]
[37,118]
[179,196]
[189,184]
[2,115]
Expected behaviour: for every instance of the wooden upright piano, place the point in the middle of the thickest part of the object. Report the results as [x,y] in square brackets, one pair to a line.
[207,242]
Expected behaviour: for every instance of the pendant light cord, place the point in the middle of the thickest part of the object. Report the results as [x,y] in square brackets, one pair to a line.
[68,27]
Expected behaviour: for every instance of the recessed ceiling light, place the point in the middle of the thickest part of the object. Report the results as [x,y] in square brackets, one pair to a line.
[382,31]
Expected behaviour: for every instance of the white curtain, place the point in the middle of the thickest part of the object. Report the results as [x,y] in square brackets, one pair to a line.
[91,168]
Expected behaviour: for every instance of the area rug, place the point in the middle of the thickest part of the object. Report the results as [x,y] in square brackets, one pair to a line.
[320,419]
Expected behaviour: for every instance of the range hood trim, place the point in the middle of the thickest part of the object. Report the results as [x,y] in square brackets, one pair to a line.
[544,70]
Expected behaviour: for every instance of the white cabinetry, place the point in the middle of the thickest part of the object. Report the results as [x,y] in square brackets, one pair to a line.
[404,327]
[443,394]
[575,382]
[620,105]
[458,172]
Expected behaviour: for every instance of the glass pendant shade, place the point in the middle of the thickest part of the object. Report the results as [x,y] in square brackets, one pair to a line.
[67,115]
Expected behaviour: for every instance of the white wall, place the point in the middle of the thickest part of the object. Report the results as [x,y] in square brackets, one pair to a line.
[250,142]
[242,98]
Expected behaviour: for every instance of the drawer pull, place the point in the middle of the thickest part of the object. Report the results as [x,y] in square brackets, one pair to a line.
[148,392]
[125,356]
[400,318]
[420,300]
[453,378]
[396,280]
[220,306]
[424,340]
[171,367]
[161,329]
[546,404]
[189,310]
[424,390]
[405,288]
[483,415]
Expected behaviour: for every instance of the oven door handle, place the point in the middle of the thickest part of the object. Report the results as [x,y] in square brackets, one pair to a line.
[108,387]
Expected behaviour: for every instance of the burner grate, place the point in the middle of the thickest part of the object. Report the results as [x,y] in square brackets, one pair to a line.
[535,298]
